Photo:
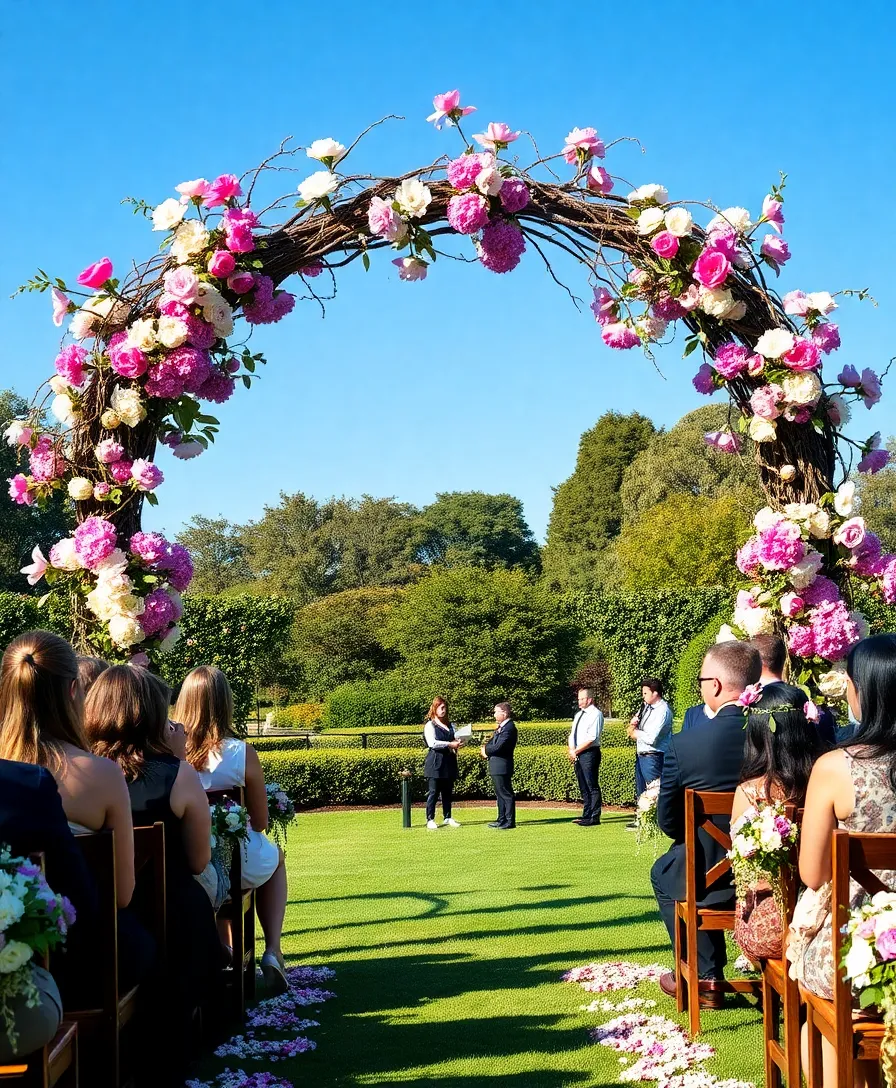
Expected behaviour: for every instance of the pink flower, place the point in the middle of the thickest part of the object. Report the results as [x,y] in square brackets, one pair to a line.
[145,475]
[501,246]
[667,308]
[150,547]
[182,284]
[849,377]
[885,943]
[888,582]
[448,109]
[35,570]
[70,364]
[834,630]
[223,188]
[725,441]
[158,611]
[820,591]
[780,546]
[216,388]
[18,490]
[241,282]
[804,355]
[61,304]
[619,335]
[109,451]
[384,221]
[311,271]
[604,306]
[851,533]
[238,224]
[869,388]
[665,245]
[94,541]
[690,299]
[95,275]
[463,172]
[711,268]
[496,136]
[514,195]
[703,379]
[44,461]
[193,190]
[723,240]
[411,269]
[750,695]
[101,491]
[468,213]
[813,714]
[200,334]
[800,640]
[874,461]
[792,604]
[775,249]
[139,660]
[128,362]
[583,144]
[772,214]
[796,303]
[190,364]
[598,180]
[221,264]
[120,471]
[766,400]
[731,359]
[826,337]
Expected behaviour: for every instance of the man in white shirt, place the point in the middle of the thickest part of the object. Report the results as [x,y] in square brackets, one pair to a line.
[651,728]
[584,754]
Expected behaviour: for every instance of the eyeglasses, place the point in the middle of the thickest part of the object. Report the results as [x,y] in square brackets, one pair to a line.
[700,679]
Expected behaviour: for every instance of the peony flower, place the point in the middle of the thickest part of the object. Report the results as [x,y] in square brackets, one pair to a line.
[61,305]
[44,461]
[328,151]
[802,388]
[725,441]
[19,490]
[678,221]
[17,434]
[766,400]
[598,180]
[719,303]
[501,246]
[189,239]
[873,461]
[462,172]
[851,533]
[192,190]
[385,222]
[514,195]
[803,574]
[109,451]
[145,475]
[411,268]
[413,197]
[762,430]
[703,379]
[619,335]
[774,343]
[489,180]
[731,359]
[826,337]
[142,335]
[168,214]
[603,306]
[751,694]
[649,220]
[80,488]
[804,355]
[781,546]
[221,264]
[791,605]
[736,218]
[467,213]
[238,225]
[582,143]
[35,570]
[125,631]
[95,275]
[448,109]
[225,187]
[70,364]
[182,284]
[845,498]
[496,136]
[648,194]
[869,388]
[772,214]
[665,244]
[94,541]
[796,303]
[775,249]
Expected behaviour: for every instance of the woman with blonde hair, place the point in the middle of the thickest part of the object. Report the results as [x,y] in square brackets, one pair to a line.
[205,707]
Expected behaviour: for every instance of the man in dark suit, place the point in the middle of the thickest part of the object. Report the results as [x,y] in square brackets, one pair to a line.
[708,757]
[694,715]
[498,750]
[774,659]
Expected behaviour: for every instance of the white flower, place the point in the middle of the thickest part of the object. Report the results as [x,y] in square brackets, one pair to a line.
[736,312]
[232,820]
[58,384]
[113,566]
[142,334]
[326,149]
[110,420]
[833,683]
[128,405]
[845,498]
[63,409]
[650,327]
[318,185]
[803,574]
[820,525]
[80,488]
[170,640]
[413,197]
[801,388]
[645,194]
[738,218]
[15,432]
[11,908]
[172,332]
[800,511]
[220,316]
[64,556]
[719,302]
[774,343]
[411,269]
[726,634]
[13,955]
[765,518]
[787,472]
[822,301]
[859,960]
[762,430]
[82,325]
[649,220]
[168,214]
[189,238]
[489,181]
[125,631]
[678,221]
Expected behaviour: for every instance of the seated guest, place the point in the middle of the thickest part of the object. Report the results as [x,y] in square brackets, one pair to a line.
[781,746]
[694,715]
[850,788]
[774,663]
[89,668]
[205,708]
[708,757]
[41,723]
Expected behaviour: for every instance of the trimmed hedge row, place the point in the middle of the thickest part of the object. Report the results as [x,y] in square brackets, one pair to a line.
[297,716]
[349,777]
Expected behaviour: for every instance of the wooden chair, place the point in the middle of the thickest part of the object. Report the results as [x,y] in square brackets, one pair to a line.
[852,855]
[101,1028]
[239,909]
[780,993]
[699,807]
[57,1062]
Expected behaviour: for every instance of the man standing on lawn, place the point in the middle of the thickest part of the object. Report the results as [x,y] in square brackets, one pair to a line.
[584,754]
[498,750]
[651,728]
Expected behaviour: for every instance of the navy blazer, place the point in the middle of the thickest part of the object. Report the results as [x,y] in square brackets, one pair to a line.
[694,715]
[499,748]
[708,757]
[32,819]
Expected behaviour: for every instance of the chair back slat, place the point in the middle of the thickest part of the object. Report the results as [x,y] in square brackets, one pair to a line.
[699,807]
[149,859]
[98,850]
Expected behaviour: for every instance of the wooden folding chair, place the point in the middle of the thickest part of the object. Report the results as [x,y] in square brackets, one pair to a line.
[699,808]
[853,856]
[239,908]
[780,993]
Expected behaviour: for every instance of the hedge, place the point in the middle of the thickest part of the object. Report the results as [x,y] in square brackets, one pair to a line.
[297,716]
[385,701]
[349,777]
[687,690]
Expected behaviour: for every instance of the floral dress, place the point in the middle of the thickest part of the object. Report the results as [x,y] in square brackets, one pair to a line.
[875,810]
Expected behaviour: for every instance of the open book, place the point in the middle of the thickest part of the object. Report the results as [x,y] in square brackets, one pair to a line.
[462,731]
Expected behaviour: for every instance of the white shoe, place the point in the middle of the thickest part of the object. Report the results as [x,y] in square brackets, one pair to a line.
[274,974]
[450,823]
[431,825]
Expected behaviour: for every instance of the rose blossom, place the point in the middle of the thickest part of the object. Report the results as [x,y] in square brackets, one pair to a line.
[598,180]
[223,188]
[384,221]
[821,302]
[678,221]
[448,109]
[129,362]
[413,197]
[326,149]
[772,214]
[221,264]
[802,388]
[873,461]
[765,401]
[791,605]
[762,430]
[61,304]
[489,181]
[145,475]
[241,282]
[851,533]
[619,335]
[649,220]
[19,490]
[665,245]
[775,249]
[95,275]
[182,284]
[736,218]
[189,238]
[796,303]
[70,364]
[411,269]
[826,337]
[604,306]
[584,142]
[168,214]
[192,190]
[496,136]
[804,355]
[462,172]
[844,498]
[467,213]
[648,194]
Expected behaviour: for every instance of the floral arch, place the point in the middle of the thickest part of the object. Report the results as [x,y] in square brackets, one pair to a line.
[143,355]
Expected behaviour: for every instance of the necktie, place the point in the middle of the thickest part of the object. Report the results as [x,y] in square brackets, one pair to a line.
[575,729]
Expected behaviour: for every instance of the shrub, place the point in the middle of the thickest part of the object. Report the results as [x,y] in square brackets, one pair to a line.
[297,716]
[385,701]
[352,777]
[687,690]
[18,614]
[597,676]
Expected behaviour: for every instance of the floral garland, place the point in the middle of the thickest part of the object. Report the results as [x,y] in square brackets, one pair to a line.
[869,964]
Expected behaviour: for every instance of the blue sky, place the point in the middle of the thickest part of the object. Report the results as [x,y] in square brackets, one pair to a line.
[469,380]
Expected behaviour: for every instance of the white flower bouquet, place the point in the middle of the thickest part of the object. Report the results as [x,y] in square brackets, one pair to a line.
[645,815]
[761,840]
[281,813]
[230,827]
[33,921]
[869,964]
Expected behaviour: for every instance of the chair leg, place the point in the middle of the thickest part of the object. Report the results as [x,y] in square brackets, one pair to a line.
[693,979]
[681,997]
[771,1010]
[249,986]
[792,1032]
[814,1074]
[238,933]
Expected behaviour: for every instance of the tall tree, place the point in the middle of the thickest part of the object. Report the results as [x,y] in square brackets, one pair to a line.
[587,511]
[219,558]
[878,501]
[377,542]
[472,528]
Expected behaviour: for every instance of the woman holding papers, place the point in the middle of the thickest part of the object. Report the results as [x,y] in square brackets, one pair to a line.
[440,767]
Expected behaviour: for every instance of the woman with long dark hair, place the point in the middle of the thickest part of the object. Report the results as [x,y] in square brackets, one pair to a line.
[440,768]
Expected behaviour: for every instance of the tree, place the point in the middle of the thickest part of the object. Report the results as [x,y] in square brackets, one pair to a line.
[679,462]
[219,558]
[587,512]
[477,636]
[684,541]
[377,542]
[21,527]
[472,528]
[878,501]
[338,639]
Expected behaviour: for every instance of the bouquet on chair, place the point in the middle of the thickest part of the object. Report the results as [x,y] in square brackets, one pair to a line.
[281,813]
[645,816]
[869,964]
[761,841]
[33,921]
[230,827]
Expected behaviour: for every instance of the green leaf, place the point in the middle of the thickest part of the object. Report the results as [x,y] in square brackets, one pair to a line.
[365,260]
[247,381]
[871,995]
[151,499]
[690,346]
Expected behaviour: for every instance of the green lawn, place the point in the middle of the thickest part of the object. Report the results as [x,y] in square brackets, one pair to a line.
[449,947]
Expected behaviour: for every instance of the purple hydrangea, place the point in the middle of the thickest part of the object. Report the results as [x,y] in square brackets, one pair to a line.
[178,565]
[502,246]
[158,612]
[731,359]
[514,195]
[216,388]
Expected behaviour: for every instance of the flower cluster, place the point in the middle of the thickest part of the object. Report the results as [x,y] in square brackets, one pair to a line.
[869,951]
[629,1004]
[761,843]
[230,827]
[281,813]
[308,976]
[599,978]
[645,814]
[240,1079]
[663,1048]
[272,1050]
[33,920]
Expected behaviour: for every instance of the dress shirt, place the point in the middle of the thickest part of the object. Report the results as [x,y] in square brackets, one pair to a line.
[429,735]
[655,728]
[587,725]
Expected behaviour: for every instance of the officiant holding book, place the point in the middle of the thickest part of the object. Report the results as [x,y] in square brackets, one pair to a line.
[498,750]
[440,767]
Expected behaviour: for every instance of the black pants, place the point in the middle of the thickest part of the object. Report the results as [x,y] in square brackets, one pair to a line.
[588,774]
[439,787]
[711,953]
[506,800]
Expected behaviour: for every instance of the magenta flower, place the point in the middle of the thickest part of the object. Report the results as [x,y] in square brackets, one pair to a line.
[468,213]
[780,545]
[496,136]
[241,282]
[703,379]
[711,268]
[772,214]
[665,245]
[463,172]
[61,304]
[44,461]
[723,240]
[216,388]
[792,604]
[849,377]
[158,612]
[238,224]
[618,335]
[811,711]
[223,188]
[583,144]
[604,306]
[801,641]
[128,362]
[667,308]
[501,246]
[120,471]
[874,461]
[851,533]
[826,337]
[775,249]
[750,695]
[514,195]
[94,541]
[18,490]
[731,359]
[95,275]
[448,109]
[221,264]
[150,547]
[70,364]
[804,355]
[834,630]
[821,591]
[109,451]
[725,441]
[311,271]
[598,180]
[145,475]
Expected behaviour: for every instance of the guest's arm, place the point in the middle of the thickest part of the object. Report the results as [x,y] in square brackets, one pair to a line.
[118,818]
[657,724]
[190,804]
[256,795]
[670,806]
[830,796]
[66,869]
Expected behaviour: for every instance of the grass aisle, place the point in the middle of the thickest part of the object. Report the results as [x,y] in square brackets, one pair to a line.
[449,947]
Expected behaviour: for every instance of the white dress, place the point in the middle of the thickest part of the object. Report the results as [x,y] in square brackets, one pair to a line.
[227,767]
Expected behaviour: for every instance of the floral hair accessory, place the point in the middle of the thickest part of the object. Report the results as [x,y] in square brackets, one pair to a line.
[751,694]
[811,711]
